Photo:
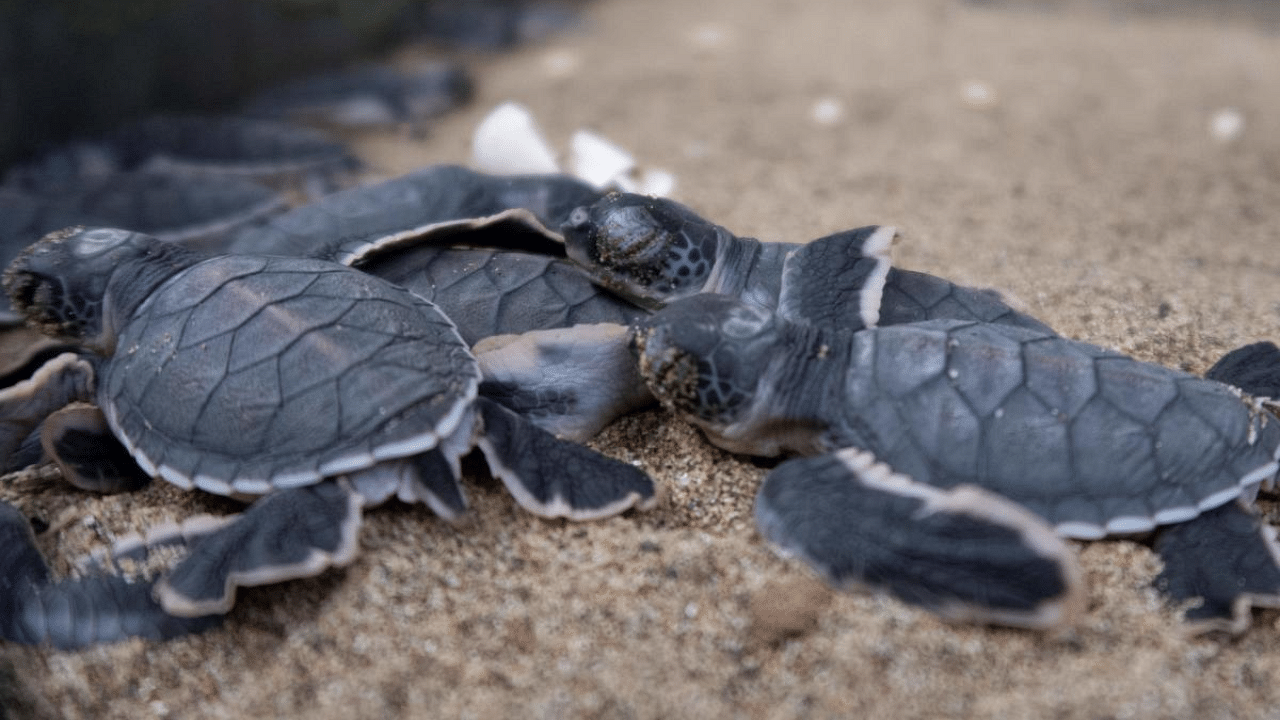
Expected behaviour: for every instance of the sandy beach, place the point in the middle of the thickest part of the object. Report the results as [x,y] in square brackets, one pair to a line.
[1115,174]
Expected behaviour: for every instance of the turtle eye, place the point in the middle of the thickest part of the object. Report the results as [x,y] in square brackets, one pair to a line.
[631,234]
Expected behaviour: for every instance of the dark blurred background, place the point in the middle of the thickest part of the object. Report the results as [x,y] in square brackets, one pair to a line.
[70,68]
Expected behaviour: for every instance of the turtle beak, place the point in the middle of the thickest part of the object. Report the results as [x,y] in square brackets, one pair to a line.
[38,297]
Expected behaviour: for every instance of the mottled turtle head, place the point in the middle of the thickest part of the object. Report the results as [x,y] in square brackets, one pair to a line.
[79,283]
[649,250]
[704,356]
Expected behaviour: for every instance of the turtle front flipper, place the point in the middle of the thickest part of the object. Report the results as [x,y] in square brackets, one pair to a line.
[838,280]
[76,613]
[1228,558]
[289,534]
[1253,368]
[964,553]
[90,457]
[556,478]
[67,378]
[570,382]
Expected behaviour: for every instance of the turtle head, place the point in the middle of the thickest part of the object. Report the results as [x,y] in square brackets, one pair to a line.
[704,356]
[79,283]
[649,250]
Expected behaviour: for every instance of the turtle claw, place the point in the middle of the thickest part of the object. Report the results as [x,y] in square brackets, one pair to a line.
[964,553]
[551,478]
[79,440]
[288,534]
[1253,368]
[1228,558]
[74,613]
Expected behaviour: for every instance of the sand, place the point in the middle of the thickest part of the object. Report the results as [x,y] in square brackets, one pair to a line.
[1065,158]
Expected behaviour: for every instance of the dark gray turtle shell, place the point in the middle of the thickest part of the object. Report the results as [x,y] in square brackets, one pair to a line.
[226,376]
[430,200]
[488,291]
[1094,441]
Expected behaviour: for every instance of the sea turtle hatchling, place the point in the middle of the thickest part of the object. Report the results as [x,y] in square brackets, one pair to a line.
[948,457]
[552,345]
[314,387]
[655,250]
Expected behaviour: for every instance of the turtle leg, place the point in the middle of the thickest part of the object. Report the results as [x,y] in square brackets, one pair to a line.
[1227,557]
[65,379]
[964,553]
[551,477]
[1253,368]
[571,381]
[293,533]
[91,458]
[77,613]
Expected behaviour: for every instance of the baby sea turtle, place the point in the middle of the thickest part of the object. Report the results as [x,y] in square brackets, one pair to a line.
[317,388]
[948,457]
[553,345]
[654,251]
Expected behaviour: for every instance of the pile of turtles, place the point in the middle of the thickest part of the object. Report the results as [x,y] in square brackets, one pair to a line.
[942,446]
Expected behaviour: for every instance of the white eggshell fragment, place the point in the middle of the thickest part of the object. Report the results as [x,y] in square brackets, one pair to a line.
[508,141]
[598,161]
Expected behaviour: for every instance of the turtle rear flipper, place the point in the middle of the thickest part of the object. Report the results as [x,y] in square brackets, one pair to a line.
[289,534]
[570,382]
[964,553]
[1227,557]
[1253,368]
[555,478]
[90,457]
[74,613]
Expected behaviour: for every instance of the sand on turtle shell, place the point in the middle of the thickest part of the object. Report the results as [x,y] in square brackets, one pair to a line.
[1068,158]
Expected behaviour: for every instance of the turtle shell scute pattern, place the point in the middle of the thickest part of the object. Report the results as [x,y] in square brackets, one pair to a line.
[1087,438]
[254,369]
[488,292]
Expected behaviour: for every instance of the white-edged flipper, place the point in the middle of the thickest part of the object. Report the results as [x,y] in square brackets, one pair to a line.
[838,280]
[1253,368]
[556,478]
[64,379]
[1226,557]
[964,553]
[289,534]
[90,457]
